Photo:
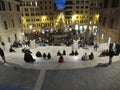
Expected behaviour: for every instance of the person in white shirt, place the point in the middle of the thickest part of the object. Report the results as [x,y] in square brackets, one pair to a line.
[85,57]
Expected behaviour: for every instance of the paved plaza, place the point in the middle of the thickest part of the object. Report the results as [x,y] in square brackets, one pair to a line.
[73,74]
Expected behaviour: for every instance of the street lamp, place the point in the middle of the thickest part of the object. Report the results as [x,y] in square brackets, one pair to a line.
[23,34]
[76,28]
[30,27]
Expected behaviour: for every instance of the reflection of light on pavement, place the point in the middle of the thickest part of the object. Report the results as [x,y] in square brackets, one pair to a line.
[37,58]
[76,58]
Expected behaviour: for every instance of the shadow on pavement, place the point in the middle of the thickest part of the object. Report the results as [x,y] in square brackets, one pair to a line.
[1,63]
[15,66]
[102,65]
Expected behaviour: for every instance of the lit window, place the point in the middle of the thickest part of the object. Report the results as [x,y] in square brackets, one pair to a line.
[31,3]
[36,4]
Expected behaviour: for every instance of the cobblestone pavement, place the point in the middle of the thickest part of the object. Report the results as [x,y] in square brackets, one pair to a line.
[102,77]
[16,78]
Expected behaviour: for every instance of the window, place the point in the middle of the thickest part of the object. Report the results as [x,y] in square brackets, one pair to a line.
[9,6]
[40,2]
[49,2]
[77,1]
[5,24]
[77,12]
[81,21]
[31,9]
[87,1]
[45,8]
[2,6]
[26,14]
[77,7]
[86,7]
[41,8]
[82,7]
[32,14]
[81,12]
[82,1]
[106,3]
[28,20]
[115,3]
[26,9]
[18,7]
[86,12]
[37,19]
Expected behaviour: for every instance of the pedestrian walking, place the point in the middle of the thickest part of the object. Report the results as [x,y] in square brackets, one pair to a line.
[2,54]
[95,46]
[111,54]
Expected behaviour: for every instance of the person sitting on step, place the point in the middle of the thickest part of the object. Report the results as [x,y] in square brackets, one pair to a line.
[44,55]
[49,56]
[85,57]
[61,59]
[64,52]
[28,57]
[76,53]
[91,56]
[38,54]
[58,53]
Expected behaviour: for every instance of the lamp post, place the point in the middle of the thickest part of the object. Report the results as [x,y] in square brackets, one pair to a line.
[30,27]
[23,35]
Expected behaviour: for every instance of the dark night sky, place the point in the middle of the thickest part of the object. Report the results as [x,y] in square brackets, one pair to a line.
[60,4]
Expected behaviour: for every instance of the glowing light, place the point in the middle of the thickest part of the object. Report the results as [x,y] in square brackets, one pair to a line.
[74,17]
[36,3]
[30,26]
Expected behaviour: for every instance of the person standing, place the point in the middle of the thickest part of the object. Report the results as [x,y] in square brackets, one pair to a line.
[111,54]
[2,55]
[95,46]
[110,46]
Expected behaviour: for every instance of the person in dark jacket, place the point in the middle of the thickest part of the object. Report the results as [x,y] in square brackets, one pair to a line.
[49,56]
[91,56]
[58,53]
[111,54]
[28,57]
[2,55]
[38,54]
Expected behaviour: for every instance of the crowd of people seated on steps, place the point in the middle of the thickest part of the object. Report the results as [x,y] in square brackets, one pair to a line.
[88,57]
[104,53]
[73,53]
[48,56]
[59,53]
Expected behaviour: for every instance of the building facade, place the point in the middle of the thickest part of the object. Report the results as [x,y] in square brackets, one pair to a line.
[37,15]
[84,13]
[77,12]
[109,21]
[10,21]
